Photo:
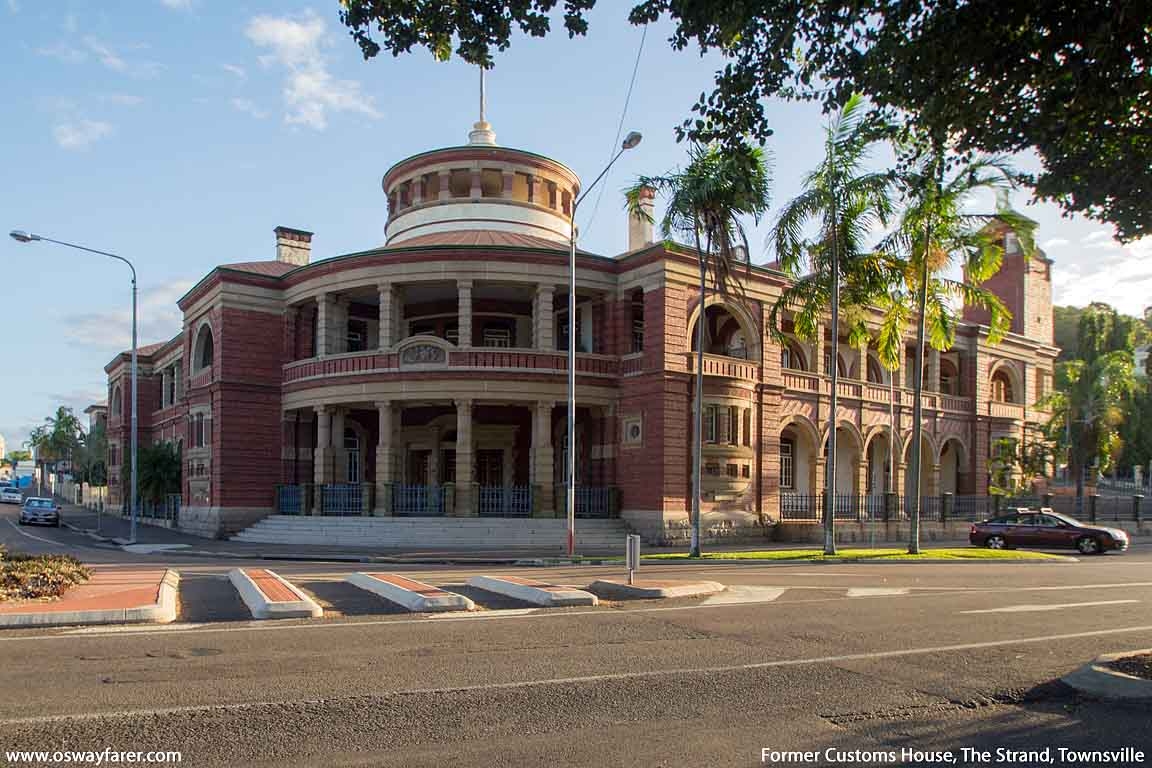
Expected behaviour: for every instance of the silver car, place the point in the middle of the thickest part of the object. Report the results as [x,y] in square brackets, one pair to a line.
[40,511]
[11,495]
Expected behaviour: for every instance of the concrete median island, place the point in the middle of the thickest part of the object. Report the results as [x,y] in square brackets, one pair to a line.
[416,596]
[535,592]
[654,589]
[269,596]
[111,596]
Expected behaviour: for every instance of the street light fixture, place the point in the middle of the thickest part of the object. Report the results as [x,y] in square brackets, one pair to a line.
[28,237]
[631,140]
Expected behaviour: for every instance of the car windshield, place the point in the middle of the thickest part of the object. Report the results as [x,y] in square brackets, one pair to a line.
[39,503]
[1064,518]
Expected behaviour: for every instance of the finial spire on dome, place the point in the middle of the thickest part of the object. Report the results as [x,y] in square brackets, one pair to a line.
[482,132]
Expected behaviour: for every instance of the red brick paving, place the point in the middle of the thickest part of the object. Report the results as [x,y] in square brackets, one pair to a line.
[272,587]
[418,587]
[107,589]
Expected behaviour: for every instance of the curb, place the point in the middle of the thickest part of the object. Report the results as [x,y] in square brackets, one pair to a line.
[535,592]
[423,598]
[654,591]
[262,608]
[1057,560]
[1099,681]
[163,611]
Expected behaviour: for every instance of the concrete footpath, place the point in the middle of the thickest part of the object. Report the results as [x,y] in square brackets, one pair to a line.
[151,539]
[111,596]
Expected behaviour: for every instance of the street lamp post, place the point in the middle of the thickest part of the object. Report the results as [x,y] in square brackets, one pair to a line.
[630,141]
[28,237]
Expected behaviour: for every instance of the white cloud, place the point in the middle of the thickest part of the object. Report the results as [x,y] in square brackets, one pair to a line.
[81,133]
[1120,275]
[159,320]
[64,52]
[107,56]
[124,99]
[235,70]
[248,107]
[1055,242]
[13,6]
[310,90]
[177,5]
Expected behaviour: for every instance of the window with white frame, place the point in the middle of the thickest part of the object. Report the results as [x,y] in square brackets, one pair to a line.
[633,430]
[496,336]
[787,466]
[711,423]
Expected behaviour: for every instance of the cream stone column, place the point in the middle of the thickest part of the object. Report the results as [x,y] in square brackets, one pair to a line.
[862,362]
[445,191]
[543,458]
[384,458]
[165,377]
[323,317]
[509,179]
[322,455]
[933,372]
[387,315]
[818,347]
[435,473]
[464,294]
[538,191]
[933,482]
[417,191]
[542,320]
[477,190]
[464,461]
[339,471]
[340,326]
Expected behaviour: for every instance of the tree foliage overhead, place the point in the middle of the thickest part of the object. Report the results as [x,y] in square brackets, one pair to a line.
[1069,79]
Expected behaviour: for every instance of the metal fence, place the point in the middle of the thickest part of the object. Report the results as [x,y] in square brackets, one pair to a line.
[167,510]
[504,501]
[948,507]
[592,501]
[404,500]
[333,499]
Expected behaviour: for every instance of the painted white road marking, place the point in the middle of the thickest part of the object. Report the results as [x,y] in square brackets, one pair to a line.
[1049,607]
[148,549]
[877,591]
[37,538]
[610,676]
[736,594]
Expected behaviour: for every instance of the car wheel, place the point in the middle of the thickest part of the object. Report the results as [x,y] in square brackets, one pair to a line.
[994,542]
[1088,546]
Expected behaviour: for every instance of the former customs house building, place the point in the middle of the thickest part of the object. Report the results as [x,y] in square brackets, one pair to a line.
[426,377]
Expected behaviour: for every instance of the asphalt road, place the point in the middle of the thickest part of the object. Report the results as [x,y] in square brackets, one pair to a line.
[792,657]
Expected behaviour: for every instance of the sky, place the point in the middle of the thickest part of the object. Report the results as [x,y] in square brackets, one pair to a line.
[179,133]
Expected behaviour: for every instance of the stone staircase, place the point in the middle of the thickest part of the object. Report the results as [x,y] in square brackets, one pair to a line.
[435,533]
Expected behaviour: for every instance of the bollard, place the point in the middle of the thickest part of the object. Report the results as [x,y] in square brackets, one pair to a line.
[632,556]
[947,504]
[1136,499]
[1092,499]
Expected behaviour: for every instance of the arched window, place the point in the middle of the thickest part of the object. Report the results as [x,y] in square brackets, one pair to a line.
[949,378]
[638,320]
[203,350]
[875,372]
[116,397]
[791,358]
[1002,388]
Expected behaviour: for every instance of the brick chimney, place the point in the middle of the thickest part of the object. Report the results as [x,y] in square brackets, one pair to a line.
[293,246]
[640,229]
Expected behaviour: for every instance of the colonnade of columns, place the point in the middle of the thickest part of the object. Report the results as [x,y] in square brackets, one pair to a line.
[332,313]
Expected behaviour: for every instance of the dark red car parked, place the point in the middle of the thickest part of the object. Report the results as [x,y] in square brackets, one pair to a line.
[1046,530]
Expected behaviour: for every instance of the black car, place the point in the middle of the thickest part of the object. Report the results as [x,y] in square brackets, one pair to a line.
[1047,530]
[40,512]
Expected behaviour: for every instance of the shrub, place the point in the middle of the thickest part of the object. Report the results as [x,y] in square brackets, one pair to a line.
[29,577]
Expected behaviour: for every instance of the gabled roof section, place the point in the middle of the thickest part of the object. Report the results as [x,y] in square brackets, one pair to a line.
[268,268]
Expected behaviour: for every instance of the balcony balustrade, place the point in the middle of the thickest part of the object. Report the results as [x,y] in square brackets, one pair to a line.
[520,360]
[728,367]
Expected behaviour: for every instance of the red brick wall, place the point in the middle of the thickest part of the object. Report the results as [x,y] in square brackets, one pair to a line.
[247,417]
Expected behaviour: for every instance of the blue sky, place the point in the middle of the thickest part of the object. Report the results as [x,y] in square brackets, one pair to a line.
[178,133]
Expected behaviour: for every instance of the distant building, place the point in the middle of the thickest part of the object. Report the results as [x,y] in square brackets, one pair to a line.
[97,414]
[3,447]
[427,375]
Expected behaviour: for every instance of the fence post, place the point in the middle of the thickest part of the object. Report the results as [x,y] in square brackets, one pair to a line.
[1136,499]
[891,505]
[997,500]
[1092,499]
[947,504]
[824,509]
[1046,500]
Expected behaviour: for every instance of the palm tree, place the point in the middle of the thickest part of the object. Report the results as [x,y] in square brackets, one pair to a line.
[1092,395]
[160,468]
[935,233]
[835,268]
[55,439]
[706,202]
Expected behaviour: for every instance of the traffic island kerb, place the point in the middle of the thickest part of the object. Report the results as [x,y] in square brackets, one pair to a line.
[270,596]
[1099,680]
[416,596]
[654,589]
[144,596]
[534,592]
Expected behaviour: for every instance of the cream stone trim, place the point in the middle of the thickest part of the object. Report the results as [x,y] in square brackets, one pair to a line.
[402,393]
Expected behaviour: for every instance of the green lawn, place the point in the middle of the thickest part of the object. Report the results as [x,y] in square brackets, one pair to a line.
[960,553]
